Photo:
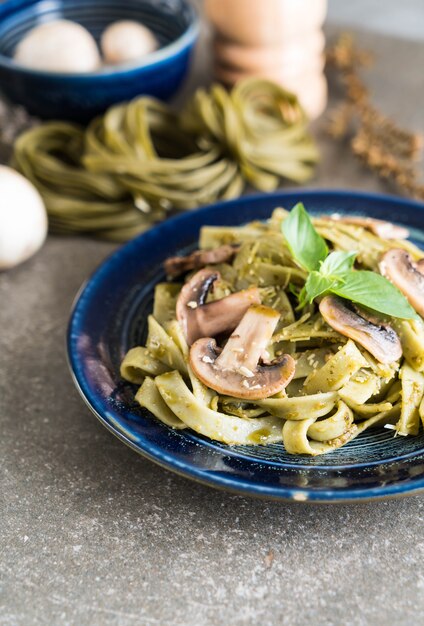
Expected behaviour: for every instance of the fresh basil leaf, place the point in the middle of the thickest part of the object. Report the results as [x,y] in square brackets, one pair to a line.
[306,245]
[375,292]
[337,263]
[317,284]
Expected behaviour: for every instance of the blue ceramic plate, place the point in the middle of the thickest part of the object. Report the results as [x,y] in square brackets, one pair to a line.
[109,317]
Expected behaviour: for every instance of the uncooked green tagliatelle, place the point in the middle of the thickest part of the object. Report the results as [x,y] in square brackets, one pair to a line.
[140,161]
[300,330]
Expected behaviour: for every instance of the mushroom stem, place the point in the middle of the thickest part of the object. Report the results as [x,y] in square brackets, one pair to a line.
[250,339]
[223,315]
[198,319]
[235,371]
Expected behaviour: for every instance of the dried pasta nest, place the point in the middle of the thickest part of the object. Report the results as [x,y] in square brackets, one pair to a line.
[141,161]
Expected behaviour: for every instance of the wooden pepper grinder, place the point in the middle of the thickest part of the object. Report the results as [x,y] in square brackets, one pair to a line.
[277,39]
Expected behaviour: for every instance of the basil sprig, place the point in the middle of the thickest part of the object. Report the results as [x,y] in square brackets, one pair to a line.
[334,272]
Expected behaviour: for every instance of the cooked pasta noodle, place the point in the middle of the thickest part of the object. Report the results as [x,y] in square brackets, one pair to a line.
[335,387]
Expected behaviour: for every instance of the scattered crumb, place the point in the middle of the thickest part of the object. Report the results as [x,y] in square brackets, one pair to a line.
[246,372]
[269,559]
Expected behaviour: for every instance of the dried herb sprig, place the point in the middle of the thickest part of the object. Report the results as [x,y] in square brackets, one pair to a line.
[382,145]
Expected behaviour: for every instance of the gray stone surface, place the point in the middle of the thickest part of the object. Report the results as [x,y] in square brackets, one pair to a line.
[391,17]
[93,534]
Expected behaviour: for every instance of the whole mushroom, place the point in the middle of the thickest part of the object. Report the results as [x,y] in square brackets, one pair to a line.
[126,41]
[23,218]
[408,276]
[199,319]
[236,371]
[378,338]
[59,46]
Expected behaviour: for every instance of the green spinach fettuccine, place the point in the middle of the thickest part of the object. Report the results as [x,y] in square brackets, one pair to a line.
[141,161]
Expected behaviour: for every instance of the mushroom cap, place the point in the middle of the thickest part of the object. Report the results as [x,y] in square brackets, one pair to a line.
[380,340]
[59,46]
[125,41]
[198,319]
[23,218]
[266,381]
[397,265]
[380,228]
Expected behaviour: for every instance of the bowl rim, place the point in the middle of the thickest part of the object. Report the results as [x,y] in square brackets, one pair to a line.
[155,58]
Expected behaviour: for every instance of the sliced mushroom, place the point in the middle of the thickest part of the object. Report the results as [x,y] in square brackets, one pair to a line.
[235,371]
[408,276]
[176,265]
[379,339]
[199,319]
[380,228]
[368,314]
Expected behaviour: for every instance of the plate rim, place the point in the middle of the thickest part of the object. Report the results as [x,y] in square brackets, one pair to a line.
[236,484]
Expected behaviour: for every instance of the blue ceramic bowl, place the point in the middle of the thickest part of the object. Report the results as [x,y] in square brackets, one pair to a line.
[109,317]
[82,96]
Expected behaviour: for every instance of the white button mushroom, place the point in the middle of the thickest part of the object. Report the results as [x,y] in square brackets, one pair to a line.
[126,41]
[59,46]
[23,218]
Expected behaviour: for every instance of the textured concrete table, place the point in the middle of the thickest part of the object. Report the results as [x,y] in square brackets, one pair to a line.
[93,534]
